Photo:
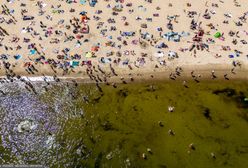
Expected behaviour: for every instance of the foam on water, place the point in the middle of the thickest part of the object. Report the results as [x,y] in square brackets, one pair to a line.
[39,78]
[23,108]
[35,78]
[30,123]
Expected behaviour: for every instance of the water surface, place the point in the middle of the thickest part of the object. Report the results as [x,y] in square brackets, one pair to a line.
[82,127]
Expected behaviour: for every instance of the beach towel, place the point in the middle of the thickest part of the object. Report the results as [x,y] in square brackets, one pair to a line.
[75,63]
[88,55]
[82,2]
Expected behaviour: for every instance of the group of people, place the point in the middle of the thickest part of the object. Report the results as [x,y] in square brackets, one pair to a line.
[116,37]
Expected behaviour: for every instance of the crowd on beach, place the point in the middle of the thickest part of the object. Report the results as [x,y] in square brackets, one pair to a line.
[114,38]
[120,39]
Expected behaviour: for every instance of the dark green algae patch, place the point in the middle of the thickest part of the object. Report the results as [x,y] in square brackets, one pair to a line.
[121,124]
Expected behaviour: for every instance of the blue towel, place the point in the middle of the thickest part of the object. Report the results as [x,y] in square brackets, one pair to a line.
[82,2]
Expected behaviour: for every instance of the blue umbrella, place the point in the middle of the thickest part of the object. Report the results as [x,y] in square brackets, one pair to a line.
[17,57]
[32,52]
[93,3]
[83,13]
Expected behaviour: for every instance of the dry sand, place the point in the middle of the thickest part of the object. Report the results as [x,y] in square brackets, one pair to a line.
[202,62]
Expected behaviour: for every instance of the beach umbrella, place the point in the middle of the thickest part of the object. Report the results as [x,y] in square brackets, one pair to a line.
[17,57]
[217,35]
[32,52]
[83,13]
[93,3]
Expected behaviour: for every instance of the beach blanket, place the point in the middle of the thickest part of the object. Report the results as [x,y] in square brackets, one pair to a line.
[82,2]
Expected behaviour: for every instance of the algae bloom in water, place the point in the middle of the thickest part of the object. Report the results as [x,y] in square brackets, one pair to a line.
[161,124]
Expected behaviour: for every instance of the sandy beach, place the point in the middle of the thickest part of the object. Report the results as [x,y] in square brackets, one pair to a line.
[124,83]
[111,40]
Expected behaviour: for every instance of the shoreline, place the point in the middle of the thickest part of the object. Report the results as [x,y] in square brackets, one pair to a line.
[159,75]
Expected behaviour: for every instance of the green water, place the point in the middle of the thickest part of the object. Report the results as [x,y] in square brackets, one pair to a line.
[118,126]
